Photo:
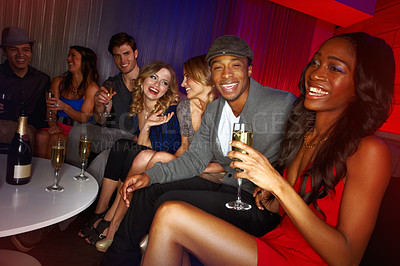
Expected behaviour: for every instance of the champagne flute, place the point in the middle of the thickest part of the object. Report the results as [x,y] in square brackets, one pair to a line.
[242,132]
[50,95]
[3,99]
[57,160]
[110,90]
[84,151]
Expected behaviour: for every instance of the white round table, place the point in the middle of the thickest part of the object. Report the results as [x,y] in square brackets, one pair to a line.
[29,207]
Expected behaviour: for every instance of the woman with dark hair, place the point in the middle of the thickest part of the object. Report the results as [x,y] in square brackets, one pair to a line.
[73,99]
[154,95]
[335,172]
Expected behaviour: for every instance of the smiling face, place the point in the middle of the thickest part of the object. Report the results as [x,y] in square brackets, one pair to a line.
[125,58]
[329,80]
[74,61]
[194,89]
[231,76]
[19,56]
[156,85]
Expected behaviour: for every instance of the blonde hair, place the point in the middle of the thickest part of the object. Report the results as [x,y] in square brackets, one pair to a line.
[171,96]
[198,69]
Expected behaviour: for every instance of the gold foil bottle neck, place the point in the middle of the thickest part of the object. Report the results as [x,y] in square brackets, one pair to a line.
[22,125]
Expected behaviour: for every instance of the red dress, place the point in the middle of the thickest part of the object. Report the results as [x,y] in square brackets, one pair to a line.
[285,245]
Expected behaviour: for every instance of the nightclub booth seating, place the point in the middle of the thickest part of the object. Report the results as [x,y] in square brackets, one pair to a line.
[383,247]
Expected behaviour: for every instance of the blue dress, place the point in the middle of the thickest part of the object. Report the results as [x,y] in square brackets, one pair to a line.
[76,104]
[165,137]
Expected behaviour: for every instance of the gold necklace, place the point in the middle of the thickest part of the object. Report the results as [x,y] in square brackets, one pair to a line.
[147,112]
[311,146]
[145,116]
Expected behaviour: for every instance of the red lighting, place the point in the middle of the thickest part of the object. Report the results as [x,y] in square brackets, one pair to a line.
[328,10]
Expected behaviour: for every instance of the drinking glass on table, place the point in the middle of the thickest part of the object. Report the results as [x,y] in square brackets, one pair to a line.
[84,151]
[110,90]
[50,95]
[57,160]
[242,132]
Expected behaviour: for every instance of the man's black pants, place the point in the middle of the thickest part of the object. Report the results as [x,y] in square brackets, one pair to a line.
[204,194]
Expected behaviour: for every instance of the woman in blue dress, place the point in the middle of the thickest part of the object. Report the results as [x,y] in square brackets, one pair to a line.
[73,99]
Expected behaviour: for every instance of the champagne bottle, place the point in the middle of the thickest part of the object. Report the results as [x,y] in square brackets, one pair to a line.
[19,156]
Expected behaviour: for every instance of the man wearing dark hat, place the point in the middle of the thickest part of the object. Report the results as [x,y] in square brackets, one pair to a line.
[23,86]
[242,100]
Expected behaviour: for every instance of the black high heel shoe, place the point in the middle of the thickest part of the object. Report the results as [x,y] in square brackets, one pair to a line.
[97,233]
[88,229]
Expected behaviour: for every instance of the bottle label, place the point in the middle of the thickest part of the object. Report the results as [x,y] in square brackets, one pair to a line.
[22,171]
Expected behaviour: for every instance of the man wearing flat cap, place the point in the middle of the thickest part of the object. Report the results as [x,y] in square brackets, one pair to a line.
[242,100]
[22,87]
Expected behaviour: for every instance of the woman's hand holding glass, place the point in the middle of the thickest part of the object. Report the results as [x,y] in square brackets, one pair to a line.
[51,115]
[255,166]
[55,104]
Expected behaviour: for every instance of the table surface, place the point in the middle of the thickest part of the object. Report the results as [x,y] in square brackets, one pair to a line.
[28,207]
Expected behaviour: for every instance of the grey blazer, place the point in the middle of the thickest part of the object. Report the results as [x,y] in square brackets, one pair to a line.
[267,109]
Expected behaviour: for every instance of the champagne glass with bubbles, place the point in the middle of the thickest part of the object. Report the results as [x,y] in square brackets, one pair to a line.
[242,132]
[84,151]
[57,160]
[110,90]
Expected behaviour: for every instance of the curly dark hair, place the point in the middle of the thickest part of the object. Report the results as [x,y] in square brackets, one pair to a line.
[88,69]
[374,82]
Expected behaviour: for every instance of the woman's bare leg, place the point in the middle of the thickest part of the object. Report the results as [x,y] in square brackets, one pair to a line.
[118,209]
[111,212]
[160,156]
[140,162]
[107,189]
[42,138]
[137,166]
[179,226]
[117,218]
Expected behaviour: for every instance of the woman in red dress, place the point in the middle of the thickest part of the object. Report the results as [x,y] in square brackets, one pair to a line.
[334,172]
